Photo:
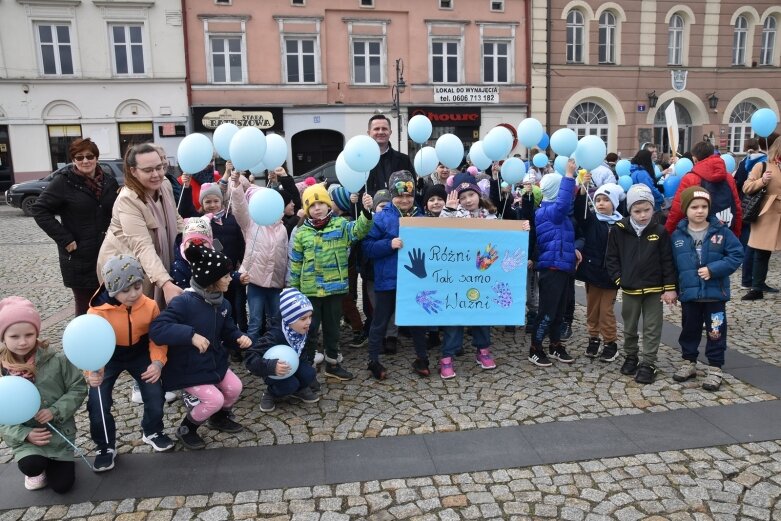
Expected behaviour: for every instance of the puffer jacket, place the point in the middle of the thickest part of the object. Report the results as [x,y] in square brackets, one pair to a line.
[318,258]
[722,254]
[592,242]
[555,231]
[63,389]
[265,254]
[377,247]
[263,367]
[640,175]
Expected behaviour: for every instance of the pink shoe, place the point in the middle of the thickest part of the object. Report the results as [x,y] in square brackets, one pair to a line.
[35,482]
[484,359]
[446,368]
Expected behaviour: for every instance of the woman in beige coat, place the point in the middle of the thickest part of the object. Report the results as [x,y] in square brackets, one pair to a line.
[766,230]
[144,222]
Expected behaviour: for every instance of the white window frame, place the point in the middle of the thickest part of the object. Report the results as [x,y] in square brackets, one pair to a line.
[496,9]
[369,6]
[739,39]
[127,47]
[740,125]
[383,55]
[223,2]
[315,38]
[242,52]
[767,50]
[611,34]
[451,2]
[675,39]
[298,3]
[207,44]
[444,40]
[55,44]
[576,37]
[599,128]
[510,42]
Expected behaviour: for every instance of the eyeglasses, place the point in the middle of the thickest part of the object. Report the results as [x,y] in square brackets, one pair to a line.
[88,157]
[150,169]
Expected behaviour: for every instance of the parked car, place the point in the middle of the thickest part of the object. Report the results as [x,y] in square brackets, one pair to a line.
[324,172]
[24,195]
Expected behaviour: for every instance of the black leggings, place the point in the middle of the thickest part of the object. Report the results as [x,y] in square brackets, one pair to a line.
[59,474]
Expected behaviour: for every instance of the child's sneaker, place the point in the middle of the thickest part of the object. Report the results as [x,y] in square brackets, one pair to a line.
[446,370]
[187,433]
[338,372]
[687,371]
[592,349]
[539,358]
[558,352]
[159,441]
[377,370]
[315,386]
[566,330]
[189,400]
[630,365]
[712,382]
[484,359]
[306,395]
[359,339]
[267,402]
[35,482]
[609,352]
[135,395]
[319,357]
[646,374]
[104,460]
[420,366]
[223,421]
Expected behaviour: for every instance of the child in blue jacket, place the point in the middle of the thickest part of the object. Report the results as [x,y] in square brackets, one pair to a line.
[290,328]
[706,253]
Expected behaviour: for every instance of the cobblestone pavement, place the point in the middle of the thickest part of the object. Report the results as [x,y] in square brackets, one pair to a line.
[515,393]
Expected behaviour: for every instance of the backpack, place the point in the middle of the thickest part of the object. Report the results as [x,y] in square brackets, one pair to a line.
[722,203]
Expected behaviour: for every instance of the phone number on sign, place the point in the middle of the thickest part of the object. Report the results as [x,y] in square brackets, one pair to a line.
[466,98]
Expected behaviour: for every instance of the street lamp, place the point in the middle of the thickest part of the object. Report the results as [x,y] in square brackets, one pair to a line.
[396,90]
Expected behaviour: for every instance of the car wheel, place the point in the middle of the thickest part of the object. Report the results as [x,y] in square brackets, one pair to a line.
[27,204]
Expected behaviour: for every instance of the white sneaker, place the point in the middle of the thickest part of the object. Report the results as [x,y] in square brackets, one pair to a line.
[171,396]
[35,482]
[319,357]
[135,397]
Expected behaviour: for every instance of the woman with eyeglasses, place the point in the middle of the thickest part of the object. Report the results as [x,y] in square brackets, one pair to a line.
[83,196]
[145,222]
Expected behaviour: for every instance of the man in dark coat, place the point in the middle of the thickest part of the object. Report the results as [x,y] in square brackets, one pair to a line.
[390,160]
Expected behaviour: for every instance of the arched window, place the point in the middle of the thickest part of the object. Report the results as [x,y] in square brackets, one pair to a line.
[607,38]
[739,41]
[740,126]
[575,36]
[675,44]
[661,136]
[766,55]
[587,119]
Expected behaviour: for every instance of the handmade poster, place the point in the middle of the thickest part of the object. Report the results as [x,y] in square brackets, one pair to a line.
[671,117]
[461,272]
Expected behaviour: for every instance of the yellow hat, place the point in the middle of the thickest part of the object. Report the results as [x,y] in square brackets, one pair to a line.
[313,194]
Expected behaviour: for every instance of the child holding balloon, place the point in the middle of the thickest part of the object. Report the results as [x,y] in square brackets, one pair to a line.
[196,326]
[290,329]
[41,457]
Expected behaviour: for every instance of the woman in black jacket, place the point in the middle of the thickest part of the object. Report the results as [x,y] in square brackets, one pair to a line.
[82,196]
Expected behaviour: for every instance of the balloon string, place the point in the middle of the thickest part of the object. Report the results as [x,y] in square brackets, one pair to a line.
[181,193]
[103,415]
[76,450]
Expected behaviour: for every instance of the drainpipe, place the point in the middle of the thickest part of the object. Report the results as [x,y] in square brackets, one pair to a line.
[528,59]
[548,75]
[187,83]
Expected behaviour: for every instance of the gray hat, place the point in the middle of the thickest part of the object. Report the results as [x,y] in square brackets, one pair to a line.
[381,196]
[638,193]
[120,272]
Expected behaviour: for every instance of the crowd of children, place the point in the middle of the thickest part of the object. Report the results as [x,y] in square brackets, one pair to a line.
[298,280]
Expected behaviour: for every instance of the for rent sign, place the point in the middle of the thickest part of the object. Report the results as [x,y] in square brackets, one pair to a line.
[456,94]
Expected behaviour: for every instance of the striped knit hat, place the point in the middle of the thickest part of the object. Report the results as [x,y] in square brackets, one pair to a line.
[340,197]
[293,305]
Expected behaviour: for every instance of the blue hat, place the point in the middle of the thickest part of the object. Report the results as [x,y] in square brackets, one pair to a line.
[293,305]
[340,196]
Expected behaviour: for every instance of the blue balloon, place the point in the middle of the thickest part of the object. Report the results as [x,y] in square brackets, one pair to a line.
[425,161]
[764,122]
[247,148]
[657,171]
[222,139]
[362,153]
[729,162]
[540,160]
[194,153]
[626,182]
[623,167]
[88,341]
[683,166]
[564,142]
[513,170]
[266,206]
[530,132]
[419,129]
[276,151]
[544,142]
[670,185]
[560,164]
[497,143]
[283,353]
[258,169]
[450,150]
[352,180]
[477,156]
[590,152]
[19,400]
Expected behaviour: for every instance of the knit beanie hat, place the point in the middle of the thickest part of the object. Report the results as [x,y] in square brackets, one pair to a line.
[401,183]
[473,170]
[293,305]
[638,193]
[432,191]
[381,196]
[198,229]
[18,309]
[208,266]
[340,196]
[464,182]
[692,193]
[549,185]
[209,189]
[613,192]
[120,272]
[313,194]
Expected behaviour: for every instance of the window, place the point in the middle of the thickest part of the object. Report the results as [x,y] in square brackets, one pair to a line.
[766,54]
[588,119]
[300,61]
[496,62]
[662,137]
[575,36]
[740,126]
[445,61]
[60,138]
[297,2]
[127,48]
[446,4]
[497,5]
[226,59]
[367,62]
[675,44]
[739,41]
[222,2]
[607,38]
[367,3]
[54,43]
[134,133]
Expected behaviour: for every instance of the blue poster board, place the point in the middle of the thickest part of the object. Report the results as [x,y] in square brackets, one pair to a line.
[461,272]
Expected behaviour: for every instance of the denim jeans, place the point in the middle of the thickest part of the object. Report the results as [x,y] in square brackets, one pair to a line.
[262,302]
[135,360]
[454,339]
[304,375]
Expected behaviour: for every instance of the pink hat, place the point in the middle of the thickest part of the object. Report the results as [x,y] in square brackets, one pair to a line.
[18,309]
[473,170]
[309,181]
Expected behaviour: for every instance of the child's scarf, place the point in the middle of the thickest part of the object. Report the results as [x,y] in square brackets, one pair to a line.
[319,224]
[610,219]
[294,339]
[11,369]
[212,297]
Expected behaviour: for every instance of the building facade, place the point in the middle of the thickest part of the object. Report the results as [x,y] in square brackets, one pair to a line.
[111,70]
[613,68]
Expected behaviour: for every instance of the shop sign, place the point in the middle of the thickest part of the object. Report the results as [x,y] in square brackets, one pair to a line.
[209,118]
[449,117]
[466,94]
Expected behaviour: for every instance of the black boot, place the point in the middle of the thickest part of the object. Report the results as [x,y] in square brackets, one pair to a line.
[187,433]
[223,421]
[592,350]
